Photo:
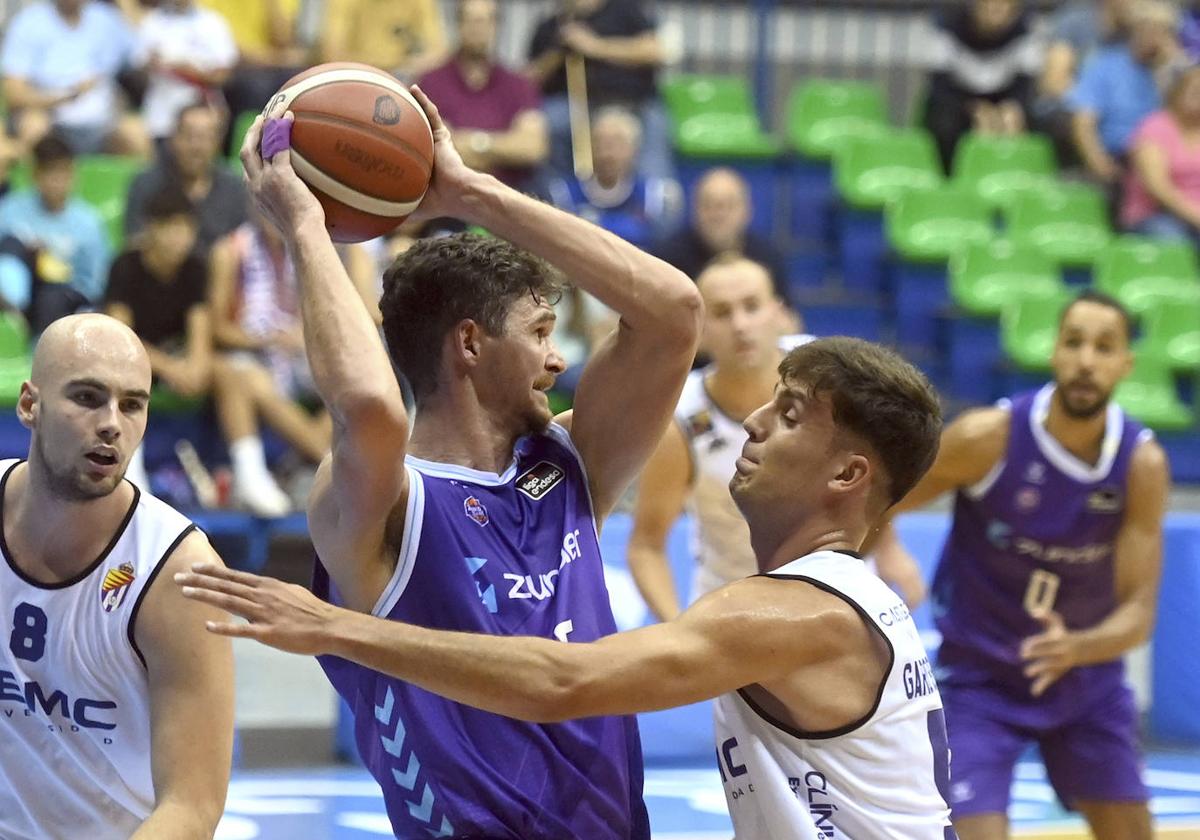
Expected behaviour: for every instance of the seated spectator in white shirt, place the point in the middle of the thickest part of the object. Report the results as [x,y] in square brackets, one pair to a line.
[60,62]
[189,53]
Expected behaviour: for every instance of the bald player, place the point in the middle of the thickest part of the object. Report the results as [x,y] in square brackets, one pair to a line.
[116,710]
[744,337]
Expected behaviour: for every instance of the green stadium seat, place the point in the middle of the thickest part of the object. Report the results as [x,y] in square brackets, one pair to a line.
[20,177]
[1148,394]
[1142,272]
[823,113]
[1000,168]
[1069,223]
[103,182]
[1029,328]
[714,116]
[1171,336]
[240,126]
[932,225]
[13,372]
[164,401]
[870,172]
[14,336]
[985,276]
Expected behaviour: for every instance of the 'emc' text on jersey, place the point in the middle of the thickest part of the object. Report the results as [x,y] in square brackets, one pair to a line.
[1041,528]
[74,692]
[514,554]
[884,777]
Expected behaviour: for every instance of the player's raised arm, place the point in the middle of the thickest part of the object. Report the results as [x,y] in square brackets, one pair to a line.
[357,491]
[629,389]
[190,675]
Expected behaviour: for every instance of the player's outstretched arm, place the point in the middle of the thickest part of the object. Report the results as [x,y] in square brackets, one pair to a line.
[629,389]
[190,674]
[662,493]
[1138,568]
[701,654]
[364,482]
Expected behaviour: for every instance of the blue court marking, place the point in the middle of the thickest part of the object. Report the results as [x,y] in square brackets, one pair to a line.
[343,803]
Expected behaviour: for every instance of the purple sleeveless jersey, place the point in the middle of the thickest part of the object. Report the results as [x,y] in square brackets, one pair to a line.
[1042,523]
[514,554]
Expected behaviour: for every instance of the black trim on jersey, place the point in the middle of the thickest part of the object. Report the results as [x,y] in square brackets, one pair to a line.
[137,605]
[716,405]
[95,564]
[857,555]
[805,735]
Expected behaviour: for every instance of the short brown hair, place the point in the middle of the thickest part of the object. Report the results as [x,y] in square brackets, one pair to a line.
[439,282]
[877,396]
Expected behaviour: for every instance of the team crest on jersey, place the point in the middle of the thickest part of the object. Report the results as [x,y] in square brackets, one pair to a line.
[699,423]
[115,586]
[475,511]
[1027,499]
[1104,500]
[1035,472]
[540,480]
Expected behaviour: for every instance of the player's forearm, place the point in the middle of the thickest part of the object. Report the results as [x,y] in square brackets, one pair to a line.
[648,293]
[175,820]
[350,367]
[525,678]
[1126,627]
[652,573]
[21,94]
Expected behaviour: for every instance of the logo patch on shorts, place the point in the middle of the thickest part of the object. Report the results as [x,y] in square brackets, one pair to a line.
[541,479]
[115,586]
[475,510]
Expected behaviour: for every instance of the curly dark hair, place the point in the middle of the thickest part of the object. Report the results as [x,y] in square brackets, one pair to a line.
[438,283]
[876,396]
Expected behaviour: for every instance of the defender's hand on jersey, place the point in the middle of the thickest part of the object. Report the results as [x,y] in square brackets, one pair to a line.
[275,187]
[282,615]
[448,190]
[1050,654]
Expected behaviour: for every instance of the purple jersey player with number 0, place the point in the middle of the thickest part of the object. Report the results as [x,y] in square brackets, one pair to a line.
[1049,575]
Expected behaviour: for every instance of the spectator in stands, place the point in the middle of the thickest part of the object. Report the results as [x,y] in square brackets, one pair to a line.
[720,225]
[191,160]
[60,62]
[188,53]
[261,372]
[1162,193]
[494,113]
[1074,32]
[159,288]
[269,48]
[405,37]
[982,60]
[1117,89]
[638,208]
[53,244]
[622,52]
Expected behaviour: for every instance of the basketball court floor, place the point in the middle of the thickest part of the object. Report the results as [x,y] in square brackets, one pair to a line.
[343,803]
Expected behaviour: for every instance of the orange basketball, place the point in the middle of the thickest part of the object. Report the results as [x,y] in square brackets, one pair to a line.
[362,144]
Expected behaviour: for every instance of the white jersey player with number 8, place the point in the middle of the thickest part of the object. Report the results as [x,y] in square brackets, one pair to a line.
[116,708]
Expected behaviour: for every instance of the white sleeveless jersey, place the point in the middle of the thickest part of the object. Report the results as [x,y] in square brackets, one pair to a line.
[882,778]
[721,543]
[74,696]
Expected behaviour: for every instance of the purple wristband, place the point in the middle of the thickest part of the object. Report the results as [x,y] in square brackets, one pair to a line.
[276,136]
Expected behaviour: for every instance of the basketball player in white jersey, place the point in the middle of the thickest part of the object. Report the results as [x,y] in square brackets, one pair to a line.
[744,323]
[829,722]
[116,715]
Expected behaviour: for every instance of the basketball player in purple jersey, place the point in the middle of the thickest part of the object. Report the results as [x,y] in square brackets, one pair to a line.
[1050,573]
[481,514]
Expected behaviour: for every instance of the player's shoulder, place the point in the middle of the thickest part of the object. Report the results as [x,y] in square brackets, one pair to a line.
[986,427]
[1149,461]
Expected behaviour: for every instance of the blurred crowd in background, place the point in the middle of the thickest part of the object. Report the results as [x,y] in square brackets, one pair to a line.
[121,190]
